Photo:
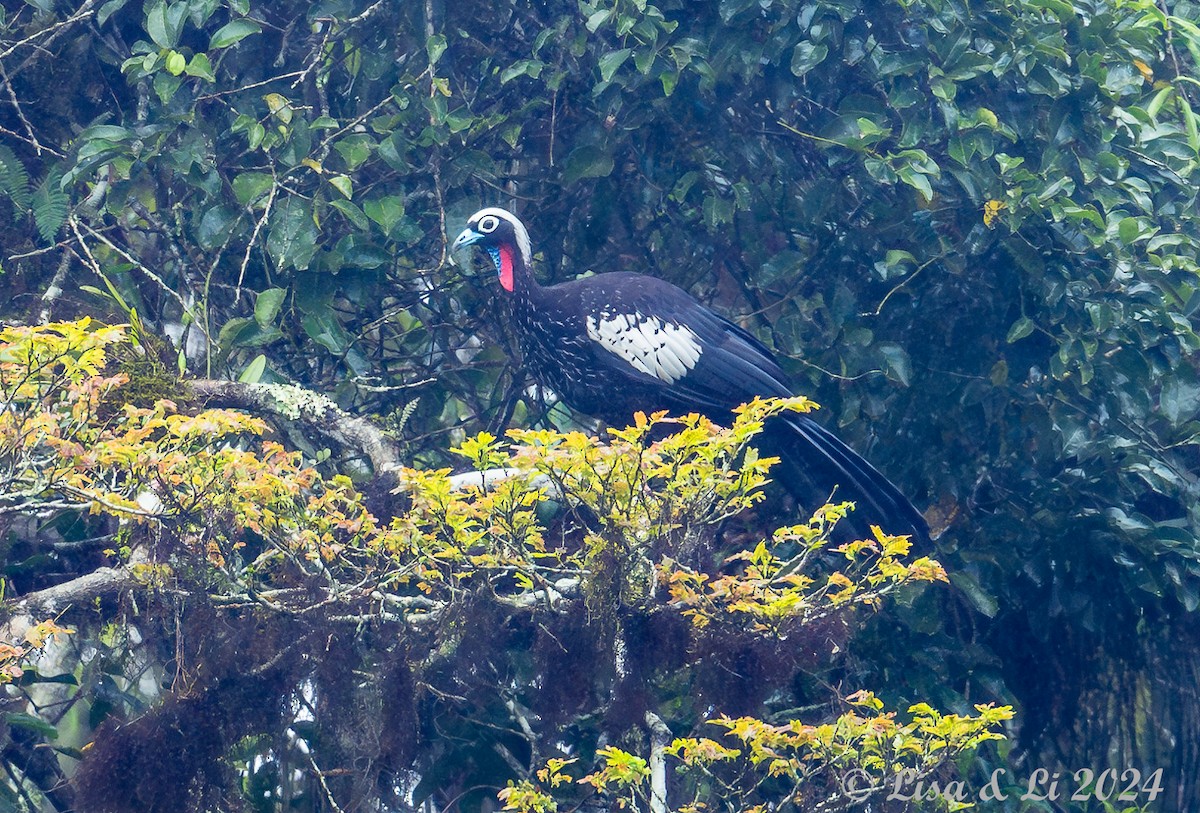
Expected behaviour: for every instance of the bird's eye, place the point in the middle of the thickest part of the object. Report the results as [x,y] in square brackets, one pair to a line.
[488,224]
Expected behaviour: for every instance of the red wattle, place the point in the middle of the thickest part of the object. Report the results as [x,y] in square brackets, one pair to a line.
[506,268]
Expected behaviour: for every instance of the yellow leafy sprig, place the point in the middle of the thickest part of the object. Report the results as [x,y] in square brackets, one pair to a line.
[16,654]
[772,591]
[758,764]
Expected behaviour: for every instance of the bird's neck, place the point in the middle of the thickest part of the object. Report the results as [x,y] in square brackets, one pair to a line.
[516,277]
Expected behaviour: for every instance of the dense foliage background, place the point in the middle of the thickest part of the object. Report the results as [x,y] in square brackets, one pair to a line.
[969,230]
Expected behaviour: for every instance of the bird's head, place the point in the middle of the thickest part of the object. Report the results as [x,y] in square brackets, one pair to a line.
[504,237]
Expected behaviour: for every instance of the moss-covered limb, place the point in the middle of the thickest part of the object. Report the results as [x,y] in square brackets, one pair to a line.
[82,590]
[313,410]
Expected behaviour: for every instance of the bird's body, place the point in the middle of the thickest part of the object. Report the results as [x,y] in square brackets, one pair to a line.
[614,344]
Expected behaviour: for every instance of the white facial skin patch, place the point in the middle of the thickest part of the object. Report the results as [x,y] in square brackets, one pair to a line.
[652,346]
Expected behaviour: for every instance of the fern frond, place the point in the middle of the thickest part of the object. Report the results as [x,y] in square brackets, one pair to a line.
[14,180]
[50,205]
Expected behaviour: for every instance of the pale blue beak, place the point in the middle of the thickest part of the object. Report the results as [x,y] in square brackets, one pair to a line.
[468,237]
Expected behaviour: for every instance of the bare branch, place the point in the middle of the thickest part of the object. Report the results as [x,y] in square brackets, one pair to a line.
[55,289]
[329,139]
[254,239]
[320,775]
[251,86]
[52,32]
[660,738]
[25,139]
[12,97]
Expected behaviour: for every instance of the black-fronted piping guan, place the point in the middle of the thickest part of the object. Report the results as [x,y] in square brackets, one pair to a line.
[614,344]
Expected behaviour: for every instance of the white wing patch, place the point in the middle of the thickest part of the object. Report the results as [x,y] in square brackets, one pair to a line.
[661,349]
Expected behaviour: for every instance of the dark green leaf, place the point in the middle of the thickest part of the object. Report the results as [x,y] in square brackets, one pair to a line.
[525,67]
[251,186]
[323,328]
[165,86]
[109,9]
[386,211]
[980,599]
[610,62]
[233,32]
[1180,399]
[587,162]
[232,332]
[1020,329]
[200,67]
[355,149]
[215,226]
[728,9]
[267,305]
[106,132]
[435,46]
[897,364]
[342,184]
[156,24]
[806,56]
[292,236]
[32,723]
[352,213]
[357,252]
[598,18]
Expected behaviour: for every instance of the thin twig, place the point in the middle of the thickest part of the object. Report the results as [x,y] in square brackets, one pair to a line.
[435,158]
[51,32]
[339,133]
[314,57]
[904,282]
[75,224]
[169,238]
[252,86]
[253,239]
[12,97]
[37,252]
[370,10]
[553,122]
[810,136]
[25,139]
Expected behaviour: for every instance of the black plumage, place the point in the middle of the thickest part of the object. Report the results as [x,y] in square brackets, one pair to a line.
[614,344]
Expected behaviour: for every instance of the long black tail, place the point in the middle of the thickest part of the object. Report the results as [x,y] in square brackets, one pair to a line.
[816,466]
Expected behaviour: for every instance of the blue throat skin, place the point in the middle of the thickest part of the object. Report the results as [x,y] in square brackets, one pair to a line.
[494,253]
